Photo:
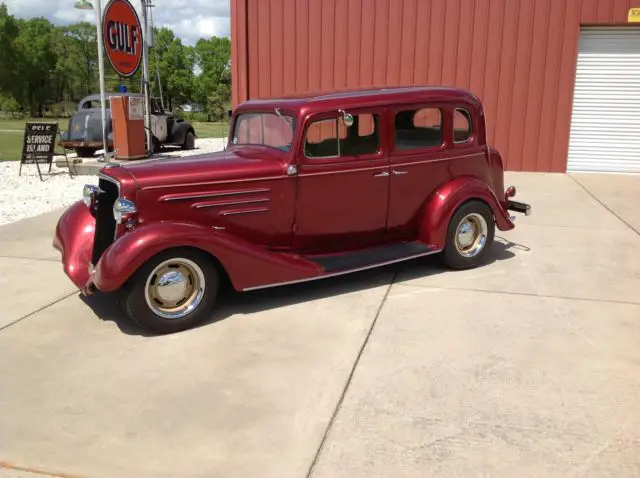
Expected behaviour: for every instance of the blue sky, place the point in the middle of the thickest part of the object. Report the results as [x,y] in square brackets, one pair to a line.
[189,19]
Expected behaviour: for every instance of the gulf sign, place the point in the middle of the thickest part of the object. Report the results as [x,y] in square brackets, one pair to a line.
[122,35]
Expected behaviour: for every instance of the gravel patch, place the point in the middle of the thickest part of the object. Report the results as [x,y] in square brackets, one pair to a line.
[26,196]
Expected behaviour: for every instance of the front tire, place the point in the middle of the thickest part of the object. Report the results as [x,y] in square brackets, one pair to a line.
[189,141]
[469,236]
[174,291]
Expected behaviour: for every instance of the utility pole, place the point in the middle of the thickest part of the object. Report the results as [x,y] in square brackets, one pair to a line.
[145,74]
[86,5]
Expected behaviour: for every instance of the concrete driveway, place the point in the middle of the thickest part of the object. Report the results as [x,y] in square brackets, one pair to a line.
[529,366]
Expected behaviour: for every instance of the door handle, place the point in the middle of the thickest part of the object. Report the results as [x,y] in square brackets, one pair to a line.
[397,173]
[381,175]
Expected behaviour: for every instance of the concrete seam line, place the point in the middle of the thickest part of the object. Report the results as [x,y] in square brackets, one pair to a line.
[604,205]
[35,471]
[526,294]
[36,311]
[350,379]
[29,258]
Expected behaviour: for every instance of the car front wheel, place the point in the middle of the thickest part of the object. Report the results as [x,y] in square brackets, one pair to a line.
[174,291]
[469,236]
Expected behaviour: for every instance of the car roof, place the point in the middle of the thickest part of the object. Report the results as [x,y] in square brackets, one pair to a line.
[362,97]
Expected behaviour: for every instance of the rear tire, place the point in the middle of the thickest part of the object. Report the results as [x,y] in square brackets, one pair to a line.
[189,141]
[469,236]
[85,152]
[174,291]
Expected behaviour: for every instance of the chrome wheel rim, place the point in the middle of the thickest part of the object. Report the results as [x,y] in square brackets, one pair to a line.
[175,288]
[471,235]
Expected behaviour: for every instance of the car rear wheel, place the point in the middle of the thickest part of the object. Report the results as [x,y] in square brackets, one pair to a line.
[85,152]
[189,141]
[174,291]
[469,236]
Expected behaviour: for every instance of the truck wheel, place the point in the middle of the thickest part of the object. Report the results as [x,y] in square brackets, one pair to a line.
[157,146]
[85,152]
[189,141]
[173,291]
[469,236]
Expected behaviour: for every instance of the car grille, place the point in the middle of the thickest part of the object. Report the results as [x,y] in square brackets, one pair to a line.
[105,223]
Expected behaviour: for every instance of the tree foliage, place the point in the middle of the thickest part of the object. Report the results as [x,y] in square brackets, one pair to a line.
[42,64]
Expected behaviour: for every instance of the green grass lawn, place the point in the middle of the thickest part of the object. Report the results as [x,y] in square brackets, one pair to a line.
[211,130]
[12,134]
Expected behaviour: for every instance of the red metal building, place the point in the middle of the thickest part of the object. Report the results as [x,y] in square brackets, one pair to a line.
[560,79]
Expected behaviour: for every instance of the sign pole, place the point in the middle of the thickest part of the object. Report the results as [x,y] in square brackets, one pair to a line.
[145,73]
[103,101]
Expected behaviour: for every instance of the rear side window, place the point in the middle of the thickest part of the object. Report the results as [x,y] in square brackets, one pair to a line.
[418,129]
[462,129]
[331,138]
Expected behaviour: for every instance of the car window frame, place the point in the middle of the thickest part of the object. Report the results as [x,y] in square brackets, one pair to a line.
[283,111]
[473,130]
[444,116]
[350,159]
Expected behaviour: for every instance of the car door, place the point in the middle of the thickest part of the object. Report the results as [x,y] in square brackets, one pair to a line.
[343,182]
[420,137]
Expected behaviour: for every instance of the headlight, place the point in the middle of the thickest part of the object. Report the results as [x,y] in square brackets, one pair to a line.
[123,207]
[88,193]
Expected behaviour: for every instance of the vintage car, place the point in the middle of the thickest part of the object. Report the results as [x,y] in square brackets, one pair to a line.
[84,131]
[307,188]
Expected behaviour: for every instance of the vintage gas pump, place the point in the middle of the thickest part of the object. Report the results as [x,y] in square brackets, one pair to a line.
[127,117]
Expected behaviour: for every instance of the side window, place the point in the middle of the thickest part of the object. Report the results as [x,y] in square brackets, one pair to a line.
[461,125]
[331,138]
[417,129]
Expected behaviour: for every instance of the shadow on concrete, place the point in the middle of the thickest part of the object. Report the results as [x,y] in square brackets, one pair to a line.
[231,303]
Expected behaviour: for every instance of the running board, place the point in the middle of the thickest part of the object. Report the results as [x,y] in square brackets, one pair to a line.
[373,257]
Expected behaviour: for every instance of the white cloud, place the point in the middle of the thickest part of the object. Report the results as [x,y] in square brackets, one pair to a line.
[189,19]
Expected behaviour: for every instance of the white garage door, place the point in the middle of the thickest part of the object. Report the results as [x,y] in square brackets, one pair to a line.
[605,125]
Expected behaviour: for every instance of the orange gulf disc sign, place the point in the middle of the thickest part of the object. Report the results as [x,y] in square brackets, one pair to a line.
[122,37]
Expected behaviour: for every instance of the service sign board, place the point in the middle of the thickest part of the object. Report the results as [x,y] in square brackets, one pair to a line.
[39,143]
[122,37]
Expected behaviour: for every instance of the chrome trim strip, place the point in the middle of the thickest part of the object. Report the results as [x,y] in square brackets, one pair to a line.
[435,160]
[230,203]
[344,171]
[335,274]
[390,164]
[211,183]
[212,195]
[246,211]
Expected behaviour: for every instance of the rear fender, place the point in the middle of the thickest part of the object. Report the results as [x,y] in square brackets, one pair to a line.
[443,203]
[246,264]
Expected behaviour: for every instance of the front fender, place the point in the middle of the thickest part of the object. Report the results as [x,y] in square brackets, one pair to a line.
[443,203]
[74,239]
[247,265]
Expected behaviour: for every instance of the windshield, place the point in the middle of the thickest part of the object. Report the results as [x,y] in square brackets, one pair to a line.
[266,129]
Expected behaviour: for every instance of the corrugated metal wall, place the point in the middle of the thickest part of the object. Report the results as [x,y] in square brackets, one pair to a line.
[519,56]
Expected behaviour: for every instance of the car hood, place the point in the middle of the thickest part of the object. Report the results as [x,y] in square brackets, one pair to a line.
[233,164]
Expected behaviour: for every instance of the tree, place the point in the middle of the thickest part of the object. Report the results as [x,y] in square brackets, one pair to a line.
[35,48]
[82,57]
[174,62]
[9,31]
[213,84]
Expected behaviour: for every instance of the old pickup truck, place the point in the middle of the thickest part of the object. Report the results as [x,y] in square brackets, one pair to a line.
[84,131]
[307,188]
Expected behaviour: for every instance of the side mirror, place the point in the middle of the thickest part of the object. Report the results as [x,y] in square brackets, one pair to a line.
[230,113]
[347,118]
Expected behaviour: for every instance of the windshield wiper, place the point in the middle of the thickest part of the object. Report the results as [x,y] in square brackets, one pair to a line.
[277,110]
